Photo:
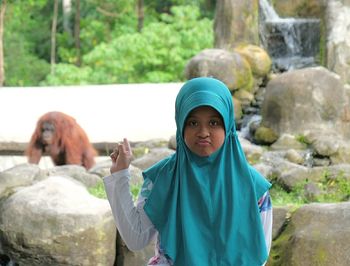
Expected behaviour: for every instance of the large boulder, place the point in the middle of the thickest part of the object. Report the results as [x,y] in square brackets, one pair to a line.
[258,59]
[57,222]
[153,156]
[338,38]
[317,234]
[77,172]
[310,99]
[229,67]
[20,175]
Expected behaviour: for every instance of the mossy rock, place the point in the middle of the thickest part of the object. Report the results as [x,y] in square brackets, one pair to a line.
[238,112]
[299,8]
[229,67]
[258,59]
[279,249]
[243,74]
[264,135]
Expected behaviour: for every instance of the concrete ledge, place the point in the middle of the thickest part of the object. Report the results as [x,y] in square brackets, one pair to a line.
[17,148]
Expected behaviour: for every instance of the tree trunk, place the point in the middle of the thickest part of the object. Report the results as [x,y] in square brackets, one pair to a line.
[209,4]
[2,17]
[53,37]
[77,32]
[236,22]
[67,11]
[140,15]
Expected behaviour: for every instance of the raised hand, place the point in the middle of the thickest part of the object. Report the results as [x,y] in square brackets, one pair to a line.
[121,156]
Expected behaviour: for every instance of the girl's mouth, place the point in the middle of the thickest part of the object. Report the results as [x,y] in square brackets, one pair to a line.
[203,142]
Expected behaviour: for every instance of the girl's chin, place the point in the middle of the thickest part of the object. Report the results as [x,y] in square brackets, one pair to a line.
[203,153]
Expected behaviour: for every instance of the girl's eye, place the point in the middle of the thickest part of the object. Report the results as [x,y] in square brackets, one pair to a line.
[192,123]
[214,123]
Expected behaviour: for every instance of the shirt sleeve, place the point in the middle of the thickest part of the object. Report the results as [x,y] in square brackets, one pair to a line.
[265,208]
[132,222]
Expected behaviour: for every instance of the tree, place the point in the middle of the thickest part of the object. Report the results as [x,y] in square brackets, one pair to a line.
[2,17]
[66,11]
[158,54]
[53,37]
[140,15]
[77,32]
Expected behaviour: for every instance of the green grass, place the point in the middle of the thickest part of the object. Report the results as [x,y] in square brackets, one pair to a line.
[100,192]
[302,139]
[332,189]
[280,197]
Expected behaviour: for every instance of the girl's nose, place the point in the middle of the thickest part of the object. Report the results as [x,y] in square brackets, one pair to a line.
[203,132]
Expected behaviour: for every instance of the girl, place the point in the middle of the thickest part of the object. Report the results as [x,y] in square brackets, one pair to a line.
[205,204]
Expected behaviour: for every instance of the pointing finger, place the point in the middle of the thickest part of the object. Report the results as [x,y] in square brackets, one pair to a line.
[127,145]
[121,148]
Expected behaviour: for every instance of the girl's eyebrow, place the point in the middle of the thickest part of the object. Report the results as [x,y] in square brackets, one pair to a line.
[192,116]
[197,116]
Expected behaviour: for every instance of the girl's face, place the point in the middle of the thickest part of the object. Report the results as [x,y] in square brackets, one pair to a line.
[204,131]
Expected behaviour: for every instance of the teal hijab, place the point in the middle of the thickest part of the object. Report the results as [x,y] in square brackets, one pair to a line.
[205,208]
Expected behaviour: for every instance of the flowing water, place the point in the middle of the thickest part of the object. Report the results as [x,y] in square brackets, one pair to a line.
[292,43]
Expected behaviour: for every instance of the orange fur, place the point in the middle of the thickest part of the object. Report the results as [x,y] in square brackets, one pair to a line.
[70,144]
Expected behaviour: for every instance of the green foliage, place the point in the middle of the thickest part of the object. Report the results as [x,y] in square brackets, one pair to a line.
[334,189]
[22,68]
[281,197]
[158,54]
[302,139]
[32,21]
[92,33]
[164,6]
[67,74]
[24,61]
[66,51]
[112,49]
[135,190]
[98,191]
[331,189]
[108,19]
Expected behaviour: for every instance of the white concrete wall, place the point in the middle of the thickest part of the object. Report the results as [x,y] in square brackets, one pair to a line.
[106,112]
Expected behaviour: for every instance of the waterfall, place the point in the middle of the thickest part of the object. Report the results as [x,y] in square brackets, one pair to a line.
[291,42]
[248,121]
[284,24]
[267,11]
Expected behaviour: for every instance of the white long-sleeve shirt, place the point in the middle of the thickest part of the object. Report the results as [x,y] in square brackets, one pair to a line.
[135,227]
